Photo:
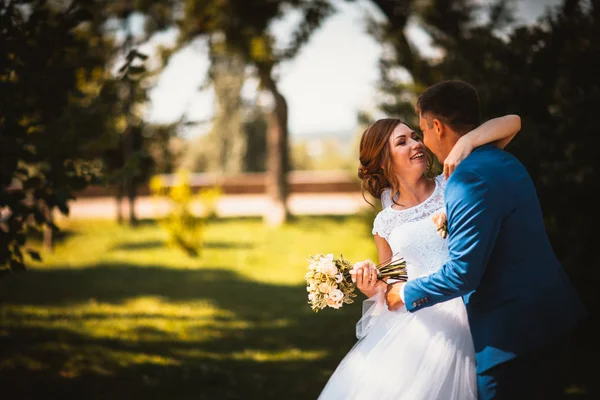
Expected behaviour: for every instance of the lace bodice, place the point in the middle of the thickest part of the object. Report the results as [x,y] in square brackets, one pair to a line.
[411,232]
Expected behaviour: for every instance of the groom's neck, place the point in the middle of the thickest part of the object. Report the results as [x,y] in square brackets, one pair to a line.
[447,144]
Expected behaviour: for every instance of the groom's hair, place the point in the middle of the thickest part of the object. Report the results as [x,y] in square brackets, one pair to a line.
[453,102]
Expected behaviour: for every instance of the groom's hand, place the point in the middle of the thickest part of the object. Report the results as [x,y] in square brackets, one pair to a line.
[392,295]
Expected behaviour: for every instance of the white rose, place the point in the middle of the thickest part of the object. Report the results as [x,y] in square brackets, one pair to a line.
[323,288]
[334,304]
[330,269]
[327,268]
[312,296]
[319,266]
[339,277]
[336,294]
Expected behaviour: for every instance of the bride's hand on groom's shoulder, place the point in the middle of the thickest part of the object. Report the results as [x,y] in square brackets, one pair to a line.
[459,152]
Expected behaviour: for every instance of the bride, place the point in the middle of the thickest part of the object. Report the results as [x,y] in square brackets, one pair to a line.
[427,355]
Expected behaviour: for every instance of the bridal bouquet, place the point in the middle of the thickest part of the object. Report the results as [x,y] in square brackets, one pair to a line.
[329,283]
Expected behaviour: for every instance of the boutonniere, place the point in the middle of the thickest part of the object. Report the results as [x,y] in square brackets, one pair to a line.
[441,224]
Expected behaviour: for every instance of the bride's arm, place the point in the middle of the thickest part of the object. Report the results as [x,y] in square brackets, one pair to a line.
[367,270]
[384,252]
[499,131]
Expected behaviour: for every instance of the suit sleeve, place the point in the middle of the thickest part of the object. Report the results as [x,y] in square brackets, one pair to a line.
[474,219]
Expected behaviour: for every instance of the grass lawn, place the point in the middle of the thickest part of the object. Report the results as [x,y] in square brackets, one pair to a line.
[115,314]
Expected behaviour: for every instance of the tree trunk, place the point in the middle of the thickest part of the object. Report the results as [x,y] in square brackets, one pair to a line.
[128,143]
[228,136]
[131,195]
[277,153]
[119,202]
[48,232]
[129,178]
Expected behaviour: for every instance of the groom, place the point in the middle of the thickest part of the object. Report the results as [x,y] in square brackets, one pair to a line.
[520,304]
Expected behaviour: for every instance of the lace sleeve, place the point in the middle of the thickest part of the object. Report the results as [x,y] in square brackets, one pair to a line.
[380,227]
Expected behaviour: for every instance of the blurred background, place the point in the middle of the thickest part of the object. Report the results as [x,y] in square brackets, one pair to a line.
[168,166]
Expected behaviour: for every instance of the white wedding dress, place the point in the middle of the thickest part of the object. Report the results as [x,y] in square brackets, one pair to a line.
[425,355]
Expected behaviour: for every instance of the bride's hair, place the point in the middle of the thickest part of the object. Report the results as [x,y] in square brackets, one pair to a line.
[375,168]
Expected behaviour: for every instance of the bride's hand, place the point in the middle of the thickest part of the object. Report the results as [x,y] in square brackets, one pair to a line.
[459,152]
[364,275]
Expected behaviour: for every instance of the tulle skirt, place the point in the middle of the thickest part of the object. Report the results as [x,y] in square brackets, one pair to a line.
[424,355]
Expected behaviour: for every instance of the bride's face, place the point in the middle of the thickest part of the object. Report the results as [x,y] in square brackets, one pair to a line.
[407,152]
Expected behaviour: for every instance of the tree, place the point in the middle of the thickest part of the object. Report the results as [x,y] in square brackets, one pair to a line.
[227,74]
[244,27]
[51,69]
[255,130]
[163,146]
[129,165]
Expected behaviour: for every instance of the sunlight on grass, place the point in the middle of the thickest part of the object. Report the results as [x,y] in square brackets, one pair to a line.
[115,301]
[261,355]
[275,255]
[147,319]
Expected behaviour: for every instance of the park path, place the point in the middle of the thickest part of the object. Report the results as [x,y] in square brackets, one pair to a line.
[243,205]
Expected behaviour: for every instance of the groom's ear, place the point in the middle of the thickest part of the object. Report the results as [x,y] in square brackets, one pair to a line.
[438,128]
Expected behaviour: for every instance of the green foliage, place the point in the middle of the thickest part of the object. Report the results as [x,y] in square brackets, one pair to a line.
[51,134]
[185,228]
[208,198]
[127,162]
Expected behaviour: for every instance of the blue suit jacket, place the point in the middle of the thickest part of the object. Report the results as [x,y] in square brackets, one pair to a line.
[517,295]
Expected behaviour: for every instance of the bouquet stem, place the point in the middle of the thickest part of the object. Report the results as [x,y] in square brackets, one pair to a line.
[393,268]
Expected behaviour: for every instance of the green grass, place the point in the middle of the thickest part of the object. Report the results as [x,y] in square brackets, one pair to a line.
[115,314]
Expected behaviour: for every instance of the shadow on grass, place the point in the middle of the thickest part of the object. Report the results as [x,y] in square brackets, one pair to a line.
[157,244]
[227,245]
[59,236]
[225,219]
[150,244]
[253,350]
[259,348]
